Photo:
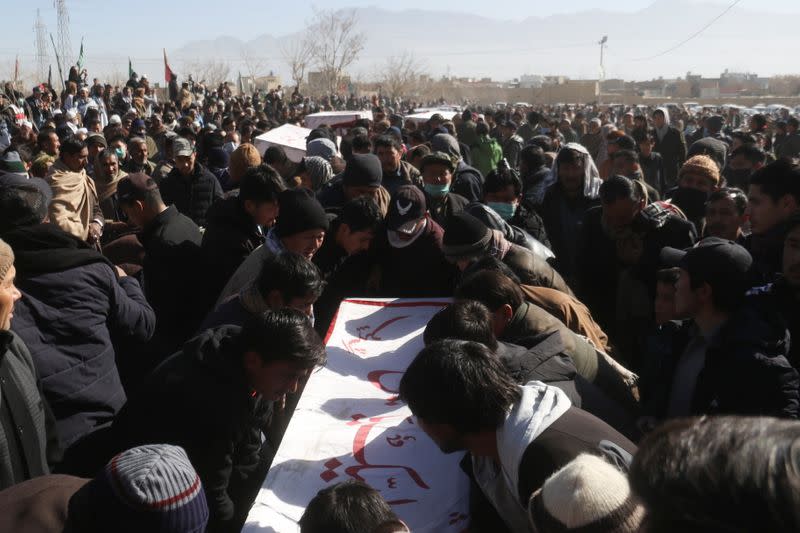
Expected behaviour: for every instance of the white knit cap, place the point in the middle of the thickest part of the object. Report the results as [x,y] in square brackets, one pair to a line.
[587,494]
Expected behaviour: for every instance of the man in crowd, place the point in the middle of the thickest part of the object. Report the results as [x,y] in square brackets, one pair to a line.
[74,207]
[464,399]
[170,270]
[729,346]
[726,215]
[670,143]
[214,398]
[300,229]
[773,197]
[396,172]
[190,186]
[238,224]
[620,246]
[74,302]
[574,191]
[437,179]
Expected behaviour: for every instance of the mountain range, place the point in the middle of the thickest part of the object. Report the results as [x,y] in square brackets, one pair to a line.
[467,45]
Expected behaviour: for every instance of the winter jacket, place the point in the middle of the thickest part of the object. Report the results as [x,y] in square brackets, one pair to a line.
[511,150]
[544,359]
[418,270]
[746,371]
[25,418]
[529,321]
[533,269]
[468,182]
[789,148]
[230,236]
[406,174]
[782,297]
[526,218]
[73,311]
[172,277]
[443,207]
[193,195]
[199,399]
[486,154]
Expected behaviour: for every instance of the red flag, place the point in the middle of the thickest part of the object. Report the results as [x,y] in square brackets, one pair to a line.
[168,74]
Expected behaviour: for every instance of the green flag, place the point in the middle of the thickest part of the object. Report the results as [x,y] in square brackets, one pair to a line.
[130,68]
[80,57]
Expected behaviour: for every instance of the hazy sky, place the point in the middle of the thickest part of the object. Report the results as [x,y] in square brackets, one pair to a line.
[112,32]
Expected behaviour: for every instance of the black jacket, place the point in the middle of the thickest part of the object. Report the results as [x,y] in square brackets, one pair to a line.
[73,313]
[193,195]
[229,238]
[600,265]
[172,280]
[198,399]
[746,371]
[442,208]
[467,182]
[673,153]
[563,218]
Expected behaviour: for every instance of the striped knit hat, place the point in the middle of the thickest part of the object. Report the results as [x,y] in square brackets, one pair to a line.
[151,488]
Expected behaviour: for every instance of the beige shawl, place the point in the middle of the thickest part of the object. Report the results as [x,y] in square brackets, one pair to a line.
[74,198]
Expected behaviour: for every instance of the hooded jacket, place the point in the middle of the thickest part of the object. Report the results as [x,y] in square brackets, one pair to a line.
[73,311]
[199,399]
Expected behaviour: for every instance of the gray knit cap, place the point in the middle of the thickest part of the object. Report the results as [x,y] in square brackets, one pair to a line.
[6,259]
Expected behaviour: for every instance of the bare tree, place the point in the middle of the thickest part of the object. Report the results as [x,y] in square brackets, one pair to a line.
[335,44]
[210,71]
[402,75]
[253,64]
[298,56]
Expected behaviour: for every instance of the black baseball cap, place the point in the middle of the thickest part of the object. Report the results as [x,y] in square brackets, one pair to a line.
[407,205]
[713,260]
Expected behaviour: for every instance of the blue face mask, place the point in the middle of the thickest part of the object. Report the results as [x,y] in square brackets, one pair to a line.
[120,153]
[506,211]
[436,190]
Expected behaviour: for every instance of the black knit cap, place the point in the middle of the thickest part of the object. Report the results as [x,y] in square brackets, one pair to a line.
[299,211]
[363,170]
[464,236]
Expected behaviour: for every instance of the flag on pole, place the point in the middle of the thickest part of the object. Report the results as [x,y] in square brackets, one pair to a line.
[168,74]
[241,83]
[79,63]
[16,70]
[130,68]
[49,75]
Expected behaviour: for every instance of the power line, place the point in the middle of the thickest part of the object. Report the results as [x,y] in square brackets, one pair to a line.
[692,36]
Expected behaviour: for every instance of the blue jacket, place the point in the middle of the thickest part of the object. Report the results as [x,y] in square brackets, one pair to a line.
[73,311]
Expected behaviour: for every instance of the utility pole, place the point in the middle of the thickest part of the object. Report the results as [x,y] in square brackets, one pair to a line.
[64,39]
[602,44]
[41,48]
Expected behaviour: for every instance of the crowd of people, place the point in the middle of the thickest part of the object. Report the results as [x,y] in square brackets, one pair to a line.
[618,355]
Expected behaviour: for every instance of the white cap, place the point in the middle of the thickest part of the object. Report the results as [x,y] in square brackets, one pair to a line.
[115,119]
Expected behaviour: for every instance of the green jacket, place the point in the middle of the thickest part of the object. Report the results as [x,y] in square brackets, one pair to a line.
[486,154]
